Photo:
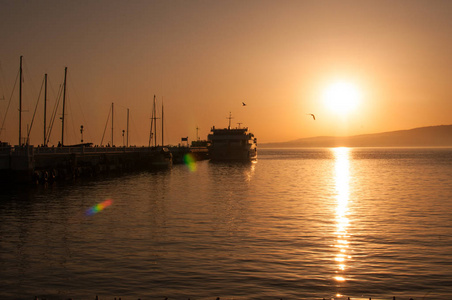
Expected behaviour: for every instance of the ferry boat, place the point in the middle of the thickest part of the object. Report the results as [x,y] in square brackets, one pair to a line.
[232,144]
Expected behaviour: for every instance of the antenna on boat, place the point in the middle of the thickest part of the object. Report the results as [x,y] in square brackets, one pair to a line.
[239,124]
[230,118]
[197,137]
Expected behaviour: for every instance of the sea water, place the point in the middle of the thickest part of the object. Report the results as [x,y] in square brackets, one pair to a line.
[298,224]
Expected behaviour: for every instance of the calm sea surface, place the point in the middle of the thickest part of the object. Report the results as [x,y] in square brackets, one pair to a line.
[298,224]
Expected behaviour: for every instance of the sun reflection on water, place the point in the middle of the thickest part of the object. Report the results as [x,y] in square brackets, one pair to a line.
[342,186]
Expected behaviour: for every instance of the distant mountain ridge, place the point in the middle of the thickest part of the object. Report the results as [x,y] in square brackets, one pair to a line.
[431,136]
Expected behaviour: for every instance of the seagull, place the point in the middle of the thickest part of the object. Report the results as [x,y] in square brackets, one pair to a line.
[312,116]
[243,104]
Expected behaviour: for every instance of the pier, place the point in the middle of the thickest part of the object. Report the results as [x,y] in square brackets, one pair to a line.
[29,164]
[25,163]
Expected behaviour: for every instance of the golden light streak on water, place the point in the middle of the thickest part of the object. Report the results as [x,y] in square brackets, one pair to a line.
[342,186]
[250,173]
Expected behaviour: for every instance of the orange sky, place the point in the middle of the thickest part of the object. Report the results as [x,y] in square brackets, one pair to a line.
[205,57]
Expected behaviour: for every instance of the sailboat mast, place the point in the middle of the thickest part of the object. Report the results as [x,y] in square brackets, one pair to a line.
[151,132]
[155,125]
[112,115]
[127,128]
[20,102]
[162,123]
[45,108]
[64,104]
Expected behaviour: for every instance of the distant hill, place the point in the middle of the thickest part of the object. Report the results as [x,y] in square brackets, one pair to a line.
[432,136]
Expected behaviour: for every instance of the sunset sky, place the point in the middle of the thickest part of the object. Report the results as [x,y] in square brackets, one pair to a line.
[204,58]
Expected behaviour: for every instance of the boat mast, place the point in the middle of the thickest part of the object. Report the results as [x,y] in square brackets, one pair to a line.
[112,115]
[127,143]
[155,125]
[20,102]
[151,132]
[64,103]
[45,107]
[162,123]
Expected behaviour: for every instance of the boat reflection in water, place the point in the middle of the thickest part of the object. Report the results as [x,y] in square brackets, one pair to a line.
[342,187]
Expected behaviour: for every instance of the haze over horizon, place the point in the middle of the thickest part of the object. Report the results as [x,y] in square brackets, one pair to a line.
[430,136]
[388,64]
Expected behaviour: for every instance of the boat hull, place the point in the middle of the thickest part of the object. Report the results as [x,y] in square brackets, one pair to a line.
[229,153]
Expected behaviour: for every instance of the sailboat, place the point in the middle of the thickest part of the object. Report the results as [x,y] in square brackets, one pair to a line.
[160,156]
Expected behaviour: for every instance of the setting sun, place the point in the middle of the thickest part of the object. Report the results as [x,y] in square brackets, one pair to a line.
[341,97]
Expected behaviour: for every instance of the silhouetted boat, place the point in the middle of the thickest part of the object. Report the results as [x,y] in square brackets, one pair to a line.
[178,153]
[232,144]
[160,158]
[200,149]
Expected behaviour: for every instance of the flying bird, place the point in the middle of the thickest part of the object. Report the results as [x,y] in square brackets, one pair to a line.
[312,116]
[243,104]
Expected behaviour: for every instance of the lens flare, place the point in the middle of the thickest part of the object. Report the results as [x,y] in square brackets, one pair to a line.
[190,162]
[98,207]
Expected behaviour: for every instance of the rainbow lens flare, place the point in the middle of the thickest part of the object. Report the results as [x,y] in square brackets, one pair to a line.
[98,207]
[190,162]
